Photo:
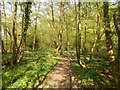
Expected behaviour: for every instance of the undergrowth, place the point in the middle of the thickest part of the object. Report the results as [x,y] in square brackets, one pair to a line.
[33,67]
[94,76]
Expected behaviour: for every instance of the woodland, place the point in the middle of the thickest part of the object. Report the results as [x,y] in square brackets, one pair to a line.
[60,44]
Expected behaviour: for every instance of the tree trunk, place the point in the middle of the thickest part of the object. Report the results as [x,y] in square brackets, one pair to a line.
[109,43]
[85,34]
[14,32]
[25,22]
[78,35]
[84,43]
[5,29]
[119,45]
[98,31]
[97,36]
[93,46]
[34,38]
[60,29]
[3,49]
[67,37]
[53,25]
[116,19]
[18,50]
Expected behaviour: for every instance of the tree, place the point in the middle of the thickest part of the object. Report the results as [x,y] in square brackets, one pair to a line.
[85,33]
[19,49]
[5,29]
[35,29]
[109,42]
[117,26]
[53,24]
[60,31]
[14,56]
[0,54]
[78,34]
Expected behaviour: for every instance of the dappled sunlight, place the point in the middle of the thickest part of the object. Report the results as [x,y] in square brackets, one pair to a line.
[63,45]
[61,76]
[91,77]
[35,65]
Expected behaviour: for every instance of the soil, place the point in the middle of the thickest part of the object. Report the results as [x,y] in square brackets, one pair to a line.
[62,75]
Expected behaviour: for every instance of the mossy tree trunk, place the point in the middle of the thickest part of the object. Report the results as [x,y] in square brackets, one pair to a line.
[109,44]
[116,18]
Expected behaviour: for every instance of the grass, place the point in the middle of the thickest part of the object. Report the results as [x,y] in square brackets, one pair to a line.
[36,65]
[92,77]
[66,53]
[33,67]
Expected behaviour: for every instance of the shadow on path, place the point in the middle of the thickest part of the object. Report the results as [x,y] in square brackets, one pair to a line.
[61,75]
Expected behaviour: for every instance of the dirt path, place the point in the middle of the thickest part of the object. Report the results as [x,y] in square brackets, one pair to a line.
[62,76]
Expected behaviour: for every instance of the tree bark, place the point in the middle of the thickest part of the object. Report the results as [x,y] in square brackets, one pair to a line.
[53,25]
[60,32]
[85,33]
[34,38]
[14,33]
[116,19]
[5,28]
[78,35]
[18,50]
[25,25]
[109,43]
[84,43]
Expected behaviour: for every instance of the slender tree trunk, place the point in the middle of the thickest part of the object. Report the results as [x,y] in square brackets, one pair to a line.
[34,38]
[93,46]
[53,24]
[5,29]
[97,36]
[85,34]
[109,43]
[78,35]
[3,49]
[67,32]
[67,37]
[84,43]
[98,31]
[60,29]
[14,32]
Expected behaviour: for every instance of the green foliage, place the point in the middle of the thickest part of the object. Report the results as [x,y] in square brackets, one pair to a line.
[66,53]
[34,66]
[92,75]
[47,86]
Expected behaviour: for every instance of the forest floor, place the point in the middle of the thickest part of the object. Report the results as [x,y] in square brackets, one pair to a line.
[42,69]
[67,74]
[62,75]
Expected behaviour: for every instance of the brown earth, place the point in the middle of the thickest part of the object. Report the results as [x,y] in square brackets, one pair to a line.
[62,76]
